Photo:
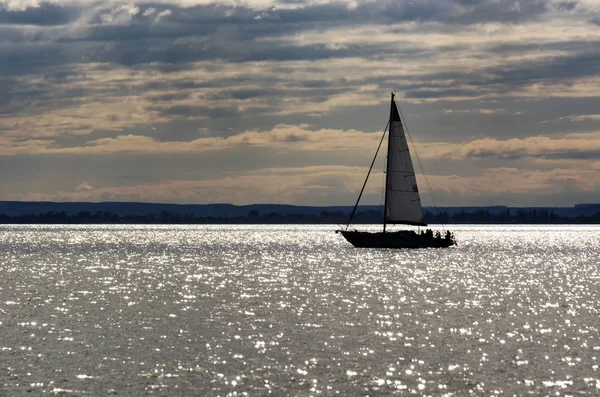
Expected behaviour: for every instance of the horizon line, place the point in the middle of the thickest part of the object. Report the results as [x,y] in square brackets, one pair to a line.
[292,205]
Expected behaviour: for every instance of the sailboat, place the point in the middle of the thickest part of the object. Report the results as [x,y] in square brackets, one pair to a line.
[402,203]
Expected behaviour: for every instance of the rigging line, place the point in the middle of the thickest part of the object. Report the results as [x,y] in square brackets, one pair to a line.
[433,198]
[367,178]
[383,186]
[384,172]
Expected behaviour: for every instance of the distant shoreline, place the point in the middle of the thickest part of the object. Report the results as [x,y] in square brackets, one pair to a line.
[519,216]
[37,212]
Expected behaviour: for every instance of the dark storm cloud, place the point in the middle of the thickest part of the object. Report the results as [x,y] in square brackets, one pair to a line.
[22,97]
[551,69]
[241,94]
[206,20]
[522,153]
[24,58]
[184,53]
[198,33]
[504,79]
[168,97]
[7,94]
[45,15]
[567,5]
[555,69]
[559,45]
[451,12]
[582,155]
[237,34]
[498,11]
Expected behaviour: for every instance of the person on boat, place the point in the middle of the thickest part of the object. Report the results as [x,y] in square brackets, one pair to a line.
[429,233]
[448,235]
[438,235]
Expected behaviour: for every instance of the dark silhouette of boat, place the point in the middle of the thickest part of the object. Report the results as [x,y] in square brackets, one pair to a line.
[399,239]
[402,203]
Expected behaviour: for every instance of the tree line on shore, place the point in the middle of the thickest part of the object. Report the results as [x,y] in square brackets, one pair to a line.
[518,216]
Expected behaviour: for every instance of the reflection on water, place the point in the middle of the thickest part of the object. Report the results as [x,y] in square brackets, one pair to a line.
[294,310]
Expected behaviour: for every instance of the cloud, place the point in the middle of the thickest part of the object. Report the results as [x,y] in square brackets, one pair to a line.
[84,187]
[582,117]
[43,14]
[163,14]
[281,185]
[81,99]
[500,85]
[480,110]
[336,146]
[571,146]
[109,97]
[283,136]
[149,11]
[496,182]
[120,15]
[318,185]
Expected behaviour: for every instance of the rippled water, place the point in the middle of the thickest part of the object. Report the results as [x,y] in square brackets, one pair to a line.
[294,310]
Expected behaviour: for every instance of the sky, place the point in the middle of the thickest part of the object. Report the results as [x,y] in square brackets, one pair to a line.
[284,101]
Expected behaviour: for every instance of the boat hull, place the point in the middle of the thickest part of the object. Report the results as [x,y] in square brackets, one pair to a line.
[401,239]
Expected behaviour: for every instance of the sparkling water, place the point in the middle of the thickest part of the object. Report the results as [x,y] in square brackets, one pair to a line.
[295,310]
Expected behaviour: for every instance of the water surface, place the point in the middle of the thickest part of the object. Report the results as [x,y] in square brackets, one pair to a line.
[295,310]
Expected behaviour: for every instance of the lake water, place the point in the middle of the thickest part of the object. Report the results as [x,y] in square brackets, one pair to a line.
[295,310]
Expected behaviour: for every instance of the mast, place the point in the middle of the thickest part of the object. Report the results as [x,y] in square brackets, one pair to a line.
[387,166]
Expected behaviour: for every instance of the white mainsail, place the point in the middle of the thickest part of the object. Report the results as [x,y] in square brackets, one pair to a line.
[402,201]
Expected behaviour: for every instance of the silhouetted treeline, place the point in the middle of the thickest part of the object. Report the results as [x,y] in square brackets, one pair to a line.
[520,216]
[166,217]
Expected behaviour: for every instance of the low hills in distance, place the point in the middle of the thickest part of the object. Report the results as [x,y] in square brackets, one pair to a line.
[20,212]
